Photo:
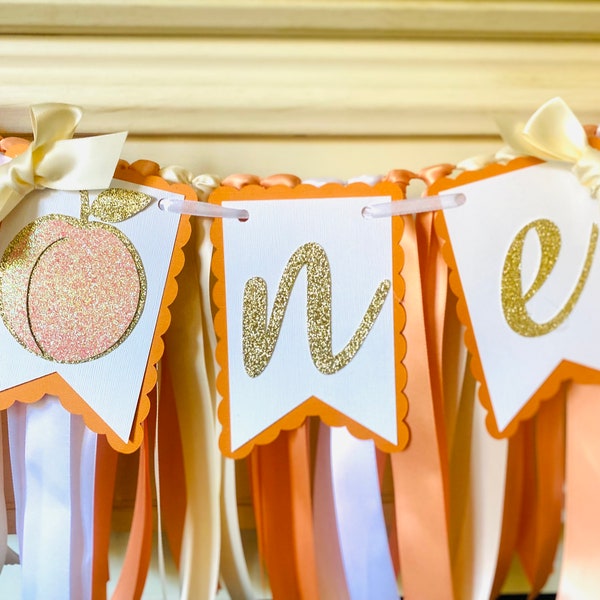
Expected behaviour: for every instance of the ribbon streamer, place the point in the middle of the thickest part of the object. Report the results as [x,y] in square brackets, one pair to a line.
[418,472]
[281,472]
[53,456]
[543,491]
[580,576]
[353,557]
[54,160]
[185,356]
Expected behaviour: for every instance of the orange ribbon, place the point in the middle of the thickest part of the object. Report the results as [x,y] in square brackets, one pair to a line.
[282,500]
[139,548]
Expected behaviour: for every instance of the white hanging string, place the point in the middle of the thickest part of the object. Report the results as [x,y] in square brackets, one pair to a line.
[371,211]
[201,209]
[416,205]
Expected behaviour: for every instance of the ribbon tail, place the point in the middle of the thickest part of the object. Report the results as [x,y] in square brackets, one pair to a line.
[541,519]
[554,132]
[282,472]
[9,198]
[580,576]
[353,556]
[106,472]
[420,484]
[53,450]
[234,569]
[137,557]
[82,163]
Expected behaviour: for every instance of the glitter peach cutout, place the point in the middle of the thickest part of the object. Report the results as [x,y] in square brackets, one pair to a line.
[83,293]
[72,289]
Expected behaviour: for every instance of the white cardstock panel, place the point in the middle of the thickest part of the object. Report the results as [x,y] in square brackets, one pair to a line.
[112,383]
[360,256]
[481,232]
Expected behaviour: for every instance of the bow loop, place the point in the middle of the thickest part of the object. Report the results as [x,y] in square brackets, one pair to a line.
[552,133]
[203,184]
[54,160]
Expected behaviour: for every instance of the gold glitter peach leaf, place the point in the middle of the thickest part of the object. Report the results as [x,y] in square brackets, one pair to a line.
[116,204]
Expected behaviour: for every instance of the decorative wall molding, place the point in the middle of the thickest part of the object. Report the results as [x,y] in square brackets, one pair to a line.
[278,87]
[531,19]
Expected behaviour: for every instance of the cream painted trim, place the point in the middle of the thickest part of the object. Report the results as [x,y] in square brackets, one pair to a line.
[561,19]
[276,87]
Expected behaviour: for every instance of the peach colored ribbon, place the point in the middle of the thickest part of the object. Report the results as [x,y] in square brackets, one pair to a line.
[418,472]
[54,160]
[511,514]
[476,559]
[544,461]
[580,576]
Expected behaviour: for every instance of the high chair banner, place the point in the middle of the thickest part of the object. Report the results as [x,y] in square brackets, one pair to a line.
[321,345]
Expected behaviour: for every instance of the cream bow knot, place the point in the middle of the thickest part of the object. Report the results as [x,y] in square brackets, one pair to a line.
[54,160]
[203,184]
[552,133]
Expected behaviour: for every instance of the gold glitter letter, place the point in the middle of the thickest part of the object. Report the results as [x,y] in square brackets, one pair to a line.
[259,339]
[513,299]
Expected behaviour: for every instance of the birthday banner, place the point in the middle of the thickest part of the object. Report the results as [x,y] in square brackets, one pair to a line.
[412,384]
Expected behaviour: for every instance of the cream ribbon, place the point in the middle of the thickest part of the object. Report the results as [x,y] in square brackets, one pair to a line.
[552,133]
[54,160]
[203,184]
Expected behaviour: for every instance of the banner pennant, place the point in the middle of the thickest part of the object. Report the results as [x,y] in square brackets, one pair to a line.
[309,316]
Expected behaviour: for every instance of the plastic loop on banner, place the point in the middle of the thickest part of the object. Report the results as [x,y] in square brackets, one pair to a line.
[372,211]
[416,205]
[201,209]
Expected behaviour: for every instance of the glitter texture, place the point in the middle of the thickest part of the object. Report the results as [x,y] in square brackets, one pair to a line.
[513,299]
[117,204]
[259,339]
[71,290]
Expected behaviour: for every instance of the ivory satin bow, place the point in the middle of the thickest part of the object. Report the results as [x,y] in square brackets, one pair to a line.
[203,184]
[552,133]
[54,160]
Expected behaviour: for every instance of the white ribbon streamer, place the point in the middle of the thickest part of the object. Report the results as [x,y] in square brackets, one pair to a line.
[363,552]
[53,458]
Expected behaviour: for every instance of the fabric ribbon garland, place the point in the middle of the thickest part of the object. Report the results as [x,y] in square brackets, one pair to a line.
[54,160]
